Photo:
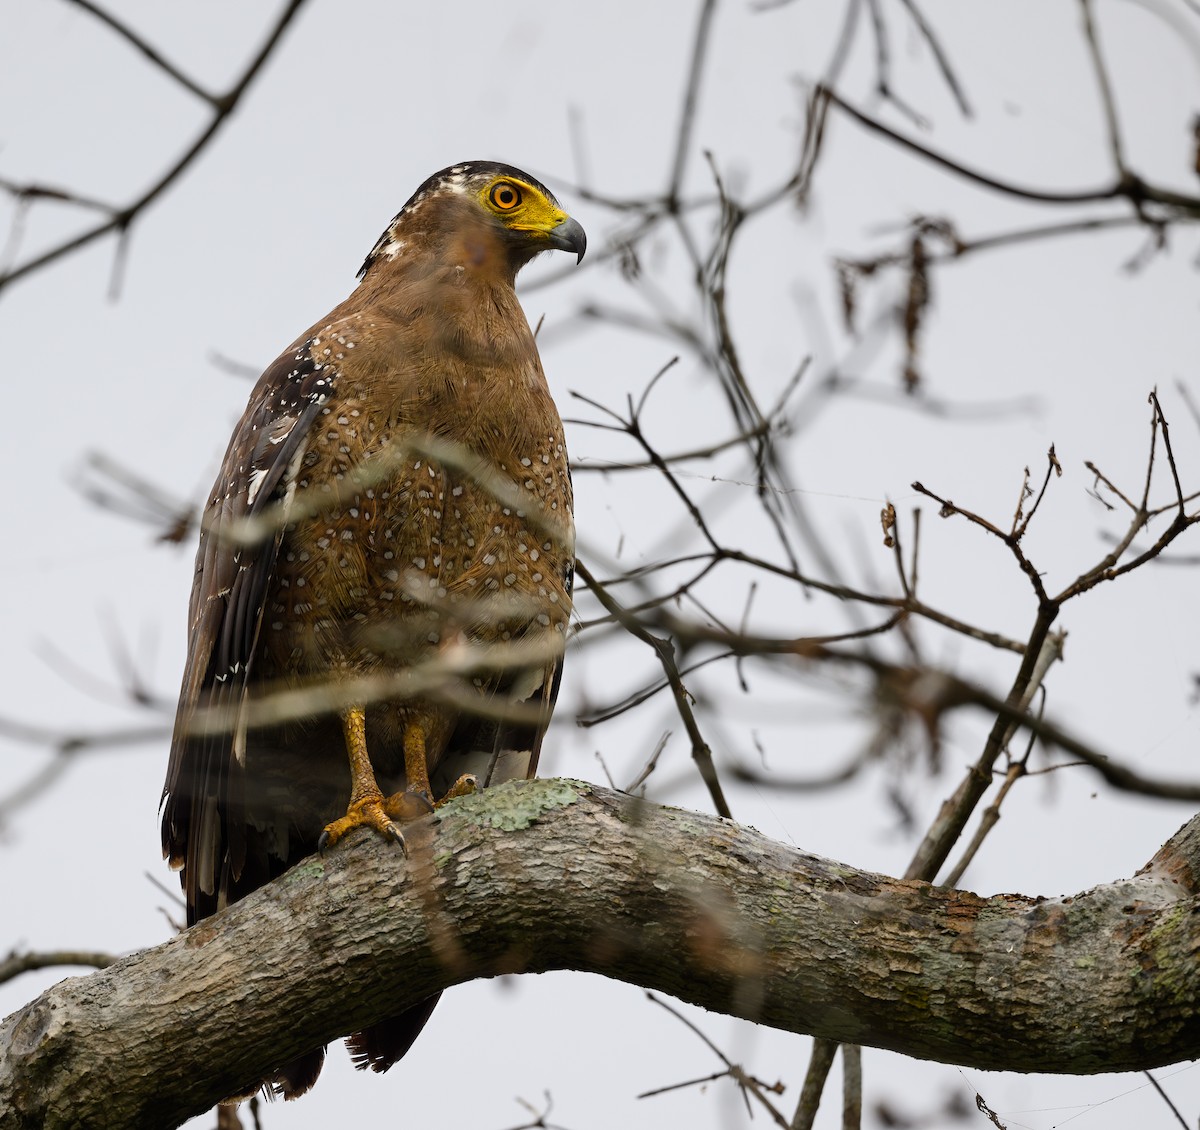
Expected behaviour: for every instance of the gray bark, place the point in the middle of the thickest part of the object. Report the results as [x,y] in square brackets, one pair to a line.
[553,874]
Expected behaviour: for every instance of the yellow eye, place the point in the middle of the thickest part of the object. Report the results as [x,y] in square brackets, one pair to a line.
[505,196]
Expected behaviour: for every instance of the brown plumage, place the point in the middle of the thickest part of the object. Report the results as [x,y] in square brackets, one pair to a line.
[384,574]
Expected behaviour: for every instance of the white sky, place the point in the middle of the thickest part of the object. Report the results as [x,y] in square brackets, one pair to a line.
[361,103]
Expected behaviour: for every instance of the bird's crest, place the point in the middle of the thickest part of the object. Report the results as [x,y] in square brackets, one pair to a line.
[501,189]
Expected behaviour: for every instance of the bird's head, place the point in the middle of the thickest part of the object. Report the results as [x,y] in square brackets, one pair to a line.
[480,215]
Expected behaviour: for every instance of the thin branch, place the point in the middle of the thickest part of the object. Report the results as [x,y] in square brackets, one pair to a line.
[1052,467]
[819,1062]
[665,652]
[1166,437]
[156,57]
[949,509]
[17,963]
[633,428]
[1101,477]
[120,219]
[683,135]
[933,692]
[1106,94]
[585,463]
[991,815]
[651,763]
[1165,1098]
[939,55]
[597,716]
[749,1085]
[851,1087]
[1131,188]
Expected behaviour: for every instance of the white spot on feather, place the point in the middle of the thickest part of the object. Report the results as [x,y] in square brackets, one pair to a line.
[256,481]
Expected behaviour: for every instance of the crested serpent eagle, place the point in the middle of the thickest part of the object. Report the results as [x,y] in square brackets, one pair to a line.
[383,581]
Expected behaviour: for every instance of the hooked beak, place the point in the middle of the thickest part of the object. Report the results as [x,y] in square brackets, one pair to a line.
[569,236]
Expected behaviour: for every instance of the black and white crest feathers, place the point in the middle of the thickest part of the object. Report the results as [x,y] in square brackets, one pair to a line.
[453,178]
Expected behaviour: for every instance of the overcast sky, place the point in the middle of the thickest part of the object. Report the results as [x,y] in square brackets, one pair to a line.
[1045,343]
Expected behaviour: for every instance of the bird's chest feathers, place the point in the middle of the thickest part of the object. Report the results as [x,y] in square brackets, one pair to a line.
[407,489]
[476,323]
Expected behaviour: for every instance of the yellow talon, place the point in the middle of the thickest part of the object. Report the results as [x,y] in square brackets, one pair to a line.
[369,811]
[368,807]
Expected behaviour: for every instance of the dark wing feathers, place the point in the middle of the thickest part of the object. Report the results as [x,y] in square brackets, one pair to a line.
[382,1044]
[234,565]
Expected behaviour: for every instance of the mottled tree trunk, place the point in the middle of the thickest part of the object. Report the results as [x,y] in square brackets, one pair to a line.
[554,874]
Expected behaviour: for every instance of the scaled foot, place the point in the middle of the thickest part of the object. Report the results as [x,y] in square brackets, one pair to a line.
[381,813]
[370,811]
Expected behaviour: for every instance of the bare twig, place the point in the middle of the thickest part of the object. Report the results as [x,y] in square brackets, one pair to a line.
[153,54]
[17,963]
[119,219]
[683,135]
[749,1085]
[940,56]
[851,1087]
[819,1063]
[665,652]
[1165,1098]
[1136,191]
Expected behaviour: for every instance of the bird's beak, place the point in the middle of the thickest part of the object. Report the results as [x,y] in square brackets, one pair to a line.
[569,236]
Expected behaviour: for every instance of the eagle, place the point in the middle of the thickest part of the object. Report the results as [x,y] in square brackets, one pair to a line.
[383,581]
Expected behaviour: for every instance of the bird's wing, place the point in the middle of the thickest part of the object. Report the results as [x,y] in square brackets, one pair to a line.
[242,529]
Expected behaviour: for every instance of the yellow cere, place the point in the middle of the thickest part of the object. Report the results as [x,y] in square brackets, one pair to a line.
[521,206]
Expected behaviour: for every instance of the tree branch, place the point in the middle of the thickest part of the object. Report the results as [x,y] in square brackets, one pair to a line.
[17,963]
[119,219]
[539,875]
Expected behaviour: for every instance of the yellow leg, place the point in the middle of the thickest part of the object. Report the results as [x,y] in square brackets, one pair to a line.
[366,807]
[416,765]
[362,776]
[417,800]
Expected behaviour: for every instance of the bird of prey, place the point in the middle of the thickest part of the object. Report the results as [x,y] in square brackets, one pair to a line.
[383,581]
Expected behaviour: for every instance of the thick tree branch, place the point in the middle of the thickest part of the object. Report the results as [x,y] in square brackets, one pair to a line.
[540,875]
